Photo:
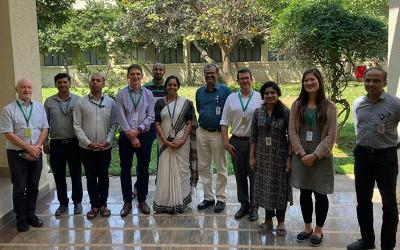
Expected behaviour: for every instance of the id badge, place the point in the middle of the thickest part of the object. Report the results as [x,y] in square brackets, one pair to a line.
[28,132]
[309,136]
[244,121]
[268,141]
[135,116]
[218,110]
[381,128]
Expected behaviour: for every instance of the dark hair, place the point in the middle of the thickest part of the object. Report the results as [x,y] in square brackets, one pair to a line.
[170,78]
[320,99]
[279,109]
[270,84]
[60,76]
[377,69]
[243,70]
[211,65]
[134,66]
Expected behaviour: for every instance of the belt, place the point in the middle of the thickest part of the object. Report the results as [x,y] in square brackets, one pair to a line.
[371,150]
[212,129]
[64,141]
[140,134]
[242,138]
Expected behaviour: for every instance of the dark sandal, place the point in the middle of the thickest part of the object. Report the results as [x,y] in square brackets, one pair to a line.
[304,235]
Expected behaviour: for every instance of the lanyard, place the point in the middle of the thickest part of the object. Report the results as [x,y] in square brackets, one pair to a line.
[98,105]
[135,105]
[65,111]
[26,116]
[173,112]
[244,108]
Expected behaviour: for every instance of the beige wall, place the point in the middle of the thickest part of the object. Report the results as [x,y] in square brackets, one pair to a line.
[394,48]
[19,53]
[394,59]
[262,71]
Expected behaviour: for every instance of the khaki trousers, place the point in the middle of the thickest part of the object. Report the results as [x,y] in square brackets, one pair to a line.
[210,146]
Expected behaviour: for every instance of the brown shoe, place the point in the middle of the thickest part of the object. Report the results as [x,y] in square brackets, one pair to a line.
[104,211]
[126,209]
[92,213]
[144,208]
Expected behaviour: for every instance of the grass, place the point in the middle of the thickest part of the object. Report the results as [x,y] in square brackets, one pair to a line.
[343,156]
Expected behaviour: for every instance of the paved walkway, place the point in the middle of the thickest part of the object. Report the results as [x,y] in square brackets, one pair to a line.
[191,230]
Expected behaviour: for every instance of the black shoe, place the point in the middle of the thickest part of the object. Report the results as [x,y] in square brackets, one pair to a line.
[315,240]
[253,215]
[241,212]
[22,225]
[34,221]
[219,207]
[360,244]
[205,204]
[60,210]
[304,235]
[77,208]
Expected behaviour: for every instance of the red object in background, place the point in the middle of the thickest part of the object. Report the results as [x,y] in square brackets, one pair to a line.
[360,71]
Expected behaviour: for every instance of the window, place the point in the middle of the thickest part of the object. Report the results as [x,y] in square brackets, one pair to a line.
[137,53]
[246,51]
[171,55]
[58,59]
[213,51]
[93,60]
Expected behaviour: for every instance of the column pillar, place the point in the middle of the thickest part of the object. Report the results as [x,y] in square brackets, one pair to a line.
[19,53]
[394,59]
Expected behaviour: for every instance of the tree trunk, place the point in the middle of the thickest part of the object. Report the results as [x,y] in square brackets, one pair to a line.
[226,64]
[203,53]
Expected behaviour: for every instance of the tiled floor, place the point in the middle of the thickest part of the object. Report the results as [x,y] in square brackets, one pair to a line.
[191,230]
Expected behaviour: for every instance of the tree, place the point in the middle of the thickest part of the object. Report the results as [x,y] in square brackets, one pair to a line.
[224,22]
[51,16]
[77,32]
[325,34]
[375,8]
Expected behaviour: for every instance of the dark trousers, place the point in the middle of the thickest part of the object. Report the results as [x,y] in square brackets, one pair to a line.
[153,134]
[61,153]
[242,171]
[96,164]
[143,153]
[381,167]
[25,176]
[321,206]
[279,213]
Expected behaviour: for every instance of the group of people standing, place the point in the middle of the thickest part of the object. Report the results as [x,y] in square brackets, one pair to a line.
[272,148]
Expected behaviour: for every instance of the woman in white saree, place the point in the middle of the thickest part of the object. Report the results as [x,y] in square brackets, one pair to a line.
[173,122]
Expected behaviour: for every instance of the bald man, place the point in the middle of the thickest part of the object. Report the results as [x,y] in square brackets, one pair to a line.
[95,122]
[24,125]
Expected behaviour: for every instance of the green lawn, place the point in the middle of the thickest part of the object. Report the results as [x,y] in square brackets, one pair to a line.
[343,156]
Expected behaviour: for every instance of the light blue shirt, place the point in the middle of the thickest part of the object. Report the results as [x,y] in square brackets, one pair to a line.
[128,117]
[12,120]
